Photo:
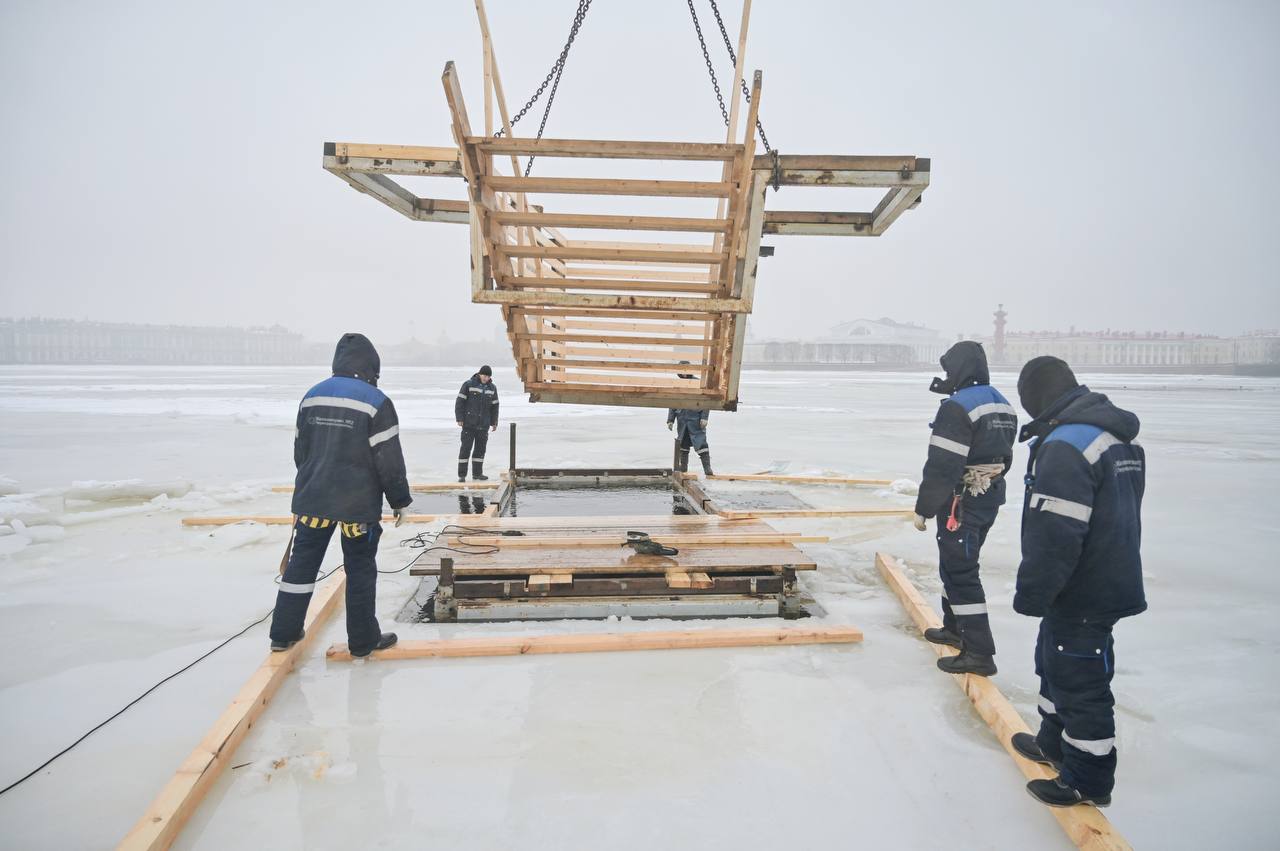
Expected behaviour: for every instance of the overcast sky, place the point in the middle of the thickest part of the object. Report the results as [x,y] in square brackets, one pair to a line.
[1097,164]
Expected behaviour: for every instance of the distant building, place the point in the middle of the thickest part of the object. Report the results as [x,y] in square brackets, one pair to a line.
[63,341]
[861,341]
[1153,350]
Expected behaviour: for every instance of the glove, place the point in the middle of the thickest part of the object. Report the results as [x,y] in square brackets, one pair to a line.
[702,424]
[919,523]
[459,423]
[493,427]
[670,426]
[399,515]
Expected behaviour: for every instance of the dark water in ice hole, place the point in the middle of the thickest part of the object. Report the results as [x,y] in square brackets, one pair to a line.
[596,501]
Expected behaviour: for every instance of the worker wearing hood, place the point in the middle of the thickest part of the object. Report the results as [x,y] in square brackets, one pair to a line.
[346,447]
[970,450]
[1081,571]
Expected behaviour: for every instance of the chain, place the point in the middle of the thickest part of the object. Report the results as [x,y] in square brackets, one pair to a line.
[707,58]
[746,92]
[552,79]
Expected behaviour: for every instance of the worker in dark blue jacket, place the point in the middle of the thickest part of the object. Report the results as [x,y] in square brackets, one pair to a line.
[970,450]
[1081,571]
[346,447]
[476,411]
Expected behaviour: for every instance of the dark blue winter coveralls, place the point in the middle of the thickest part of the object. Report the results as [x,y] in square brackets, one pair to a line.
[347,451]
[691,434]
[477,409]
[974,425]
[1081,571]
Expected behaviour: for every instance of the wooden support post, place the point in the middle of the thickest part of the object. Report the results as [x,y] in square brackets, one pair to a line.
[511,461]
[178,800]
[528,645]
[1084,825]
[700,580]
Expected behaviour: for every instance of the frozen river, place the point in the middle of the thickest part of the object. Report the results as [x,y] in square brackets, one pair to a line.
[867,746]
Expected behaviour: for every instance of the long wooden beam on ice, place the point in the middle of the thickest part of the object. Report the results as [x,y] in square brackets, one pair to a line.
[159,826]
[763,513]
[287,519]
[425,487]
[1084,825]
[796,480]
[520,645]
[692,540]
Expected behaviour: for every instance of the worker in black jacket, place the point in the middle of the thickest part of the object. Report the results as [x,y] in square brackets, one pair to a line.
[1081,571]
[346,447]
[970,450]
[476,412]
[692,434]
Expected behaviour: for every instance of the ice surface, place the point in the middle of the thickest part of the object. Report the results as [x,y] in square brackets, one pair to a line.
[814,747]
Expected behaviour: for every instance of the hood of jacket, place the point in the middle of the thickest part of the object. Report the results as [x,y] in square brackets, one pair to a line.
[1084,407]
[355,357]
[965,364]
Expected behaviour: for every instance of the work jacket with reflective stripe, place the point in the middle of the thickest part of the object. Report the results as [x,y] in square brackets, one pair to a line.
[347,451]
[477,403]
[1082,513]
[974,425]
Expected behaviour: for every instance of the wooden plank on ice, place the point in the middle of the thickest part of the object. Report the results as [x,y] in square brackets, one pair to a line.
[817,512]
[797,480]
[287,519]
[522,645]
[1084,825]
[178,800]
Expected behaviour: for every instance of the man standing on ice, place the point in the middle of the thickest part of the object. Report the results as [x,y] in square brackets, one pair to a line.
[1081,571]
[476,411]
[691,431]
[347,451]
[970,450]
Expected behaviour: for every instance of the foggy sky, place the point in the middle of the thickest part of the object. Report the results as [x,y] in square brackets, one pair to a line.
[1097,164]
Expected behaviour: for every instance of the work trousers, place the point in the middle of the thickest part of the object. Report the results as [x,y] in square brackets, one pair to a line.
[474,441]
[964,605]
[359,555]
[1075,662]
[693,437]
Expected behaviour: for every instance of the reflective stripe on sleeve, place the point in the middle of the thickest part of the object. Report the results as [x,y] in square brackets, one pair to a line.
[295,588]
[969,609]
[1097,747]
[1047,705]
[384,436]
[1100,444]
[339,402]
[1065,507]
[949,445]
[992,408]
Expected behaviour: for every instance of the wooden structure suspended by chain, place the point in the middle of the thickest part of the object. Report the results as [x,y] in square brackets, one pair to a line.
[614,320]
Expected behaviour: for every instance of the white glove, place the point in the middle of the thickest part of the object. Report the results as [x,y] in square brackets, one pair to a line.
[670,426]
[399,515]
[919,522]
[702,424]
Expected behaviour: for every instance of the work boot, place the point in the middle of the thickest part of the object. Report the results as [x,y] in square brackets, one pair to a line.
[479,477]
[281,646]
[462,478]
[682,461]
[1027,746]
[1055,793]
[967,662]
[477,470]
[706,463]
[387,639]
[942,635]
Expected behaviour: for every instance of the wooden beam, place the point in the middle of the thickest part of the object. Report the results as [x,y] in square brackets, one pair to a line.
[615,338]
[894,203]
[178,800]
[784,222]
[840,162]
[524,282]
[700,580]
[645,223]
[287,519]
[634,255]
[423,487]
[528,645]
[641,366]
[688,540]
[1084,825]
[798,480]
[818,512]
[678,579]
[544,298]
[610,186]
[414,153]
[590,395]
[607,148]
